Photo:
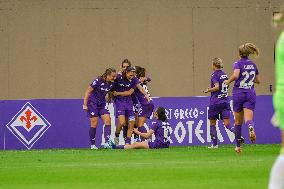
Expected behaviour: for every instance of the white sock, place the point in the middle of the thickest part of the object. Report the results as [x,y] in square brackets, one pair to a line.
[276,180]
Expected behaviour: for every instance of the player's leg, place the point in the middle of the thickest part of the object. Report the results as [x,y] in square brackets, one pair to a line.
[107,129]
[213,134]
[137,145]
[239,119]
[145,112]
[225,116]
[93,131]
[121,123]
[93,114]
[238,101]
[249,106]
[213,116]
[276,180]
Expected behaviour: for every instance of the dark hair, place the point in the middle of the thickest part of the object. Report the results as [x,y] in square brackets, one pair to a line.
[161,112]
[247,49]
[108,72]
[140,71]
[126,61]
[128,69]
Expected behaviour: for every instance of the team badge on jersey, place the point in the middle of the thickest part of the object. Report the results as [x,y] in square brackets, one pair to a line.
[28,125]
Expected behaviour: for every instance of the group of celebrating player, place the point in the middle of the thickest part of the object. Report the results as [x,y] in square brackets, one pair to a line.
[133,106]
[245,74]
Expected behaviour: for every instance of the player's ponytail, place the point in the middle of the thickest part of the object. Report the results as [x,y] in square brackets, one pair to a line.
[161,112]
[108,72]
[247,49]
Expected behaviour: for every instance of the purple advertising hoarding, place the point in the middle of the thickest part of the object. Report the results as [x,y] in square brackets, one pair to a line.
[61,123]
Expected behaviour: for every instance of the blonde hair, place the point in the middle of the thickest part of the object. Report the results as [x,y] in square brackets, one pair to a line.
[217,62]
[247,49]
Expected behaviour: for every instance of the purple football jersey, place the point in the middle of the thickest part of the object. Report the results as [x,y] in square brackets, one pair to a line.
[140,96]
[221,95]
[122,84]
[248,71]
[101,88]
[161,131]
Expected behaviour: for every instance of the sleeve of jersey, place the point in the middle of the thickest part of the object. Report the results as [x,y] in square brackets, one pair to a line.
[95,83]
[214,79]
[135,82]
[236,66]
[154,126]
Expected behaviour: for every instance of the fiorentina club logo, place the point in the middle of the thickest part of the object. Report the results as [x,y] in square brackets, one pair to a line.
[28,125]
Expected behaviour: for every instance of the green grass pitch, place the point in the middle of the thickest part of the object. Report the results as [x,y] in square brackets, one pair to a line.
[177,167]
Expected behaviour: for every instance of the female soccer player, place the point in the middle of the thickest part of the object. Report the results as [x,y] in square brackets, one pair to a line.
[124,87]
[146,108]
[244,97]
[277,172]
[95,104]
[219,107]
[160,129]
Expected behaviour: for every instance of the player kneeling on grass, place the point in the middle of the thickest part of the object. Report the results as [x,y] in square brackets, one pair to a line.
[160,129]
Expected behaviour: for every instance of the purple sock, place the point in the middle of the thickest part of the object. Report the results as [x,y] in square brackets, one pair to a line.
[238,134]
[127,140]
[230,127]
[107,131]
[213,134]
[142,129]
[92,134]
[124,130]
[249,123]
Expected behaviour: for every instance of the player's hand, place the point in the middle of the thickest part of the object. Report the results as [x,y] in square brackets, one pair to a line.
[148,98]
[85,107]
[206,90]
[135,130]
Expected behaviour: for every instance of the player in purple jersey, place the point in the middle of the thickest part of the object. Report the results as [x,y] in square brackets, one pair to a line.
[124,64]
[146,108]
[244,97]
[95,104]
[160,129]
[124,87]
[219,107]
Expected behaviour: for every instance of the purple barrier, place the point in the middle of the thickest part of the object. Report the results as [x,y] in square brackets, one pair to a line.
[39,124]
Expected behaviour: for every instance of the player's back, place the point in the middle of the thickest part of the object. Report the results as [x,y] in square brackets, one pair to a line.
[248,72]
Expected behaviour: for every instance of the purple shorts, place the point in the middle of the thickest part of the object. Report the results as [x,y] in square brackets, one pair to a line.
[146,110]
[124,108]
[219,111]
[97,110]
[157,144]
[244,100]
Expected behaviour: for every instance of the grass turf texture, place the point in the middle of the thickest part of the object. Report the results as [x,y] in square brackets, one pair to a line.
[177,167]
